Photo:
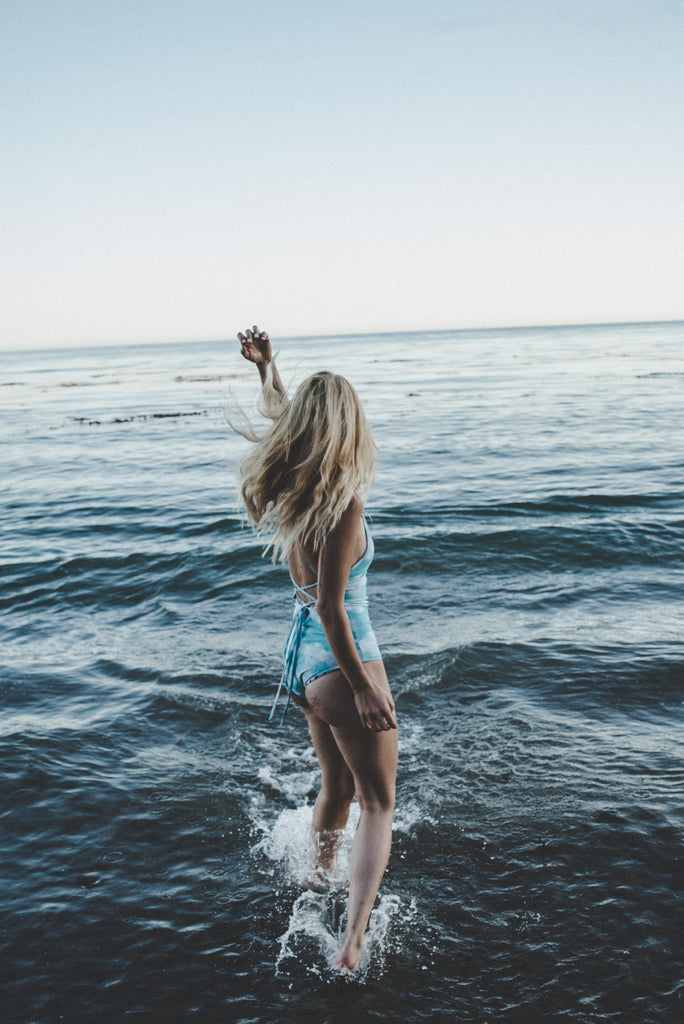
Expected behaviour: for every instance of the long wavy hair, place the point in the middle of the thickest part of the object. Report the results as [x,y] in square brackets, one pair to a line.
[304,471]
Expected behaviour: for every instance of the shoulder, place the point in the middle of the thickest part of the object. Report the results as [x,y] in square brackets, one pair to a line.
[351,517]
[348,533]
[343,547]
[355,508]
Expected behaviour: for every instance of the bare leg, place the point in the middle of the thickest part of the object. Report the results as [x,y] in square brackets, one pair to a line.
[372,760]
[372,842]
[331,810]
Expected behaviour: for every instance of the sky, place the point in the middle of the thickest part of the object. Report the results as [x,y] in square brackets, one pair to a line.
[181,169]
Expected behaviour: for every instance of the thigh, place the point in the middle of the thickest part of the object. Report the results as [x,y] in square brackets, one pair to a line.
[370,756]
[335,775]
[331,699]
[372,760]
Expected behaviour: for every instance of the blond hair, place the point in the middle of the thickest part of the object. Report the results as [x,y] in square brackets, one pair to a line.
[305,470]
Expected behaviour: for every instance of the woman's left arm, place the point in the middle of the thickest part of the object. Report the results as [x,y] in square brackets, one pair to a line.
[373,703]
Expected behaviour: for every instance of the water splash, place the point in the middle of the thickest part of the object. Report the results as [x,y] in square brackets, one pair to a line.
[313,932]
[288,843]
[317,920]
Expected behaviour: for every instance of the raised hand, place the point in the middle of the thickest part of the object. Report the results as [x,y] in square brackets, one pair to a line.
[255,346]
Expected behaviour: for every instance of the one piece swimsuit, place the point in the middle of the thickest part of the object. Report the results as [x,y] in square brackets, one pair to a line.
[307,652]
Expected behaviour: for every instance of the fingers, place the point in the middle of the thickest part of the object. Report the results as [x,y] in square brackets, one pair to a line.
[381,722]
[383,726]
[258,335]
[376,711]
[254,345]
[252,335]
[391,718]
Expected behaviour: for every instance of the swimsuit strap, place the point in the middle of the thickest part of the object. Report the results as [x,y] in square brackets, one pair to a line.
[315,572]
[301,551]
[287,680]
[305,599]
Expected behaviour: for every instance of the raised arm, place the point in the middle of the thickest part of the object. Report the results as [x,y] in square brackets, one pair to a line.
[256,348]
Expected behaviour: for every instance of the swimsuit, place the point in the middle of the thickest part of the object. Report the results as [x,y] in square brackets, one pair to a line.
[307,652]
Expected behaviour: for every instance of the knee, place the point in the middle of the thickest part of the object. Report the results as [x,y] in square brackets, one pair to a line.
[377,801]
[340,792]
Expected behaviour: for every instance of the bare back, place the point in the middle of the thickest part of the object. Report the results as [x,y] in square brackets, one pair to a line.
[302,559]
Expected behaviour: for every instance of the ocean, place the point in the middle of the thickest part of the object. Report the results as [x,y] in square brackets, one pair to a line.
[528,518]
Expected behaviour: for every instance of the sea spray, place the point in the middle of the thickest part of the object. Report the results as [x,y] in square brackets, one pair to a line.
[316,925]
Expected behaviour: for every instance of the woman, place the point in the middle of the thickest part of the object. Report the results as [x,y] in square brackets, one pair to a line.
[302,485]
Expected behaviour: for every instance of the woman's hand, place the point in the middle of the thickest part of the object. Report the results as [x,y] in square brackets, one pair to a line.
[375,708]
[256,346]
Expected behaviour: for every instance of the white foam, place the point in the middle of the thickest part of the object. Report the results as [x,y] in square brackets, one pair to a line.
[292,771]
[316,925]
[317,920]
[411,738]
[288,842]
[409,814]
[311,924]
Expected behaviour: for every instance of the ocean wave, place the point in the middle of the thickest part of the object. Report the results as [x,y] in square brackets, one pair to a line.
[561,503]
[447,544]
[622,678]
[134,578]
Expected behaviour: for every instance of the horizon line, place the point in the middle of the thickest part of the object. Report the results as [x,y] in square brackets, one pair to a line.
[59,346]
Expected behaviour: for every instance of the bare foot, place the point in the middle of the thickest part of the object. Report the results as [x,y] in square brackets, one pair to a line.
[317,881]
[350,954]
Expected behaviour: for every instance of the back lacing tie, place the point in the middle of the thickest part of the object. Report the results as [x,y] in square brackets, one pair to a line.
[303,601]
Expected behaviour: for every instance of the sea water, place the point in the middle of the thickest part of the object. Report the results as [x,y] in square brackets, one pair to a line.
[528,517]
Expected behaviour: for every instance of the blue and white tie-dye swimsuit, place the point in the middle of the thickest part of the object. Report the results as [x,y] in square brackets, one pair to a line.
[307,652]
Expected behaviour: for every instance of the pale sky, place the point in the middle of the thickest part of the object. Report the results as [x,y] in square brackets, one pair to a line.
[180,169]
